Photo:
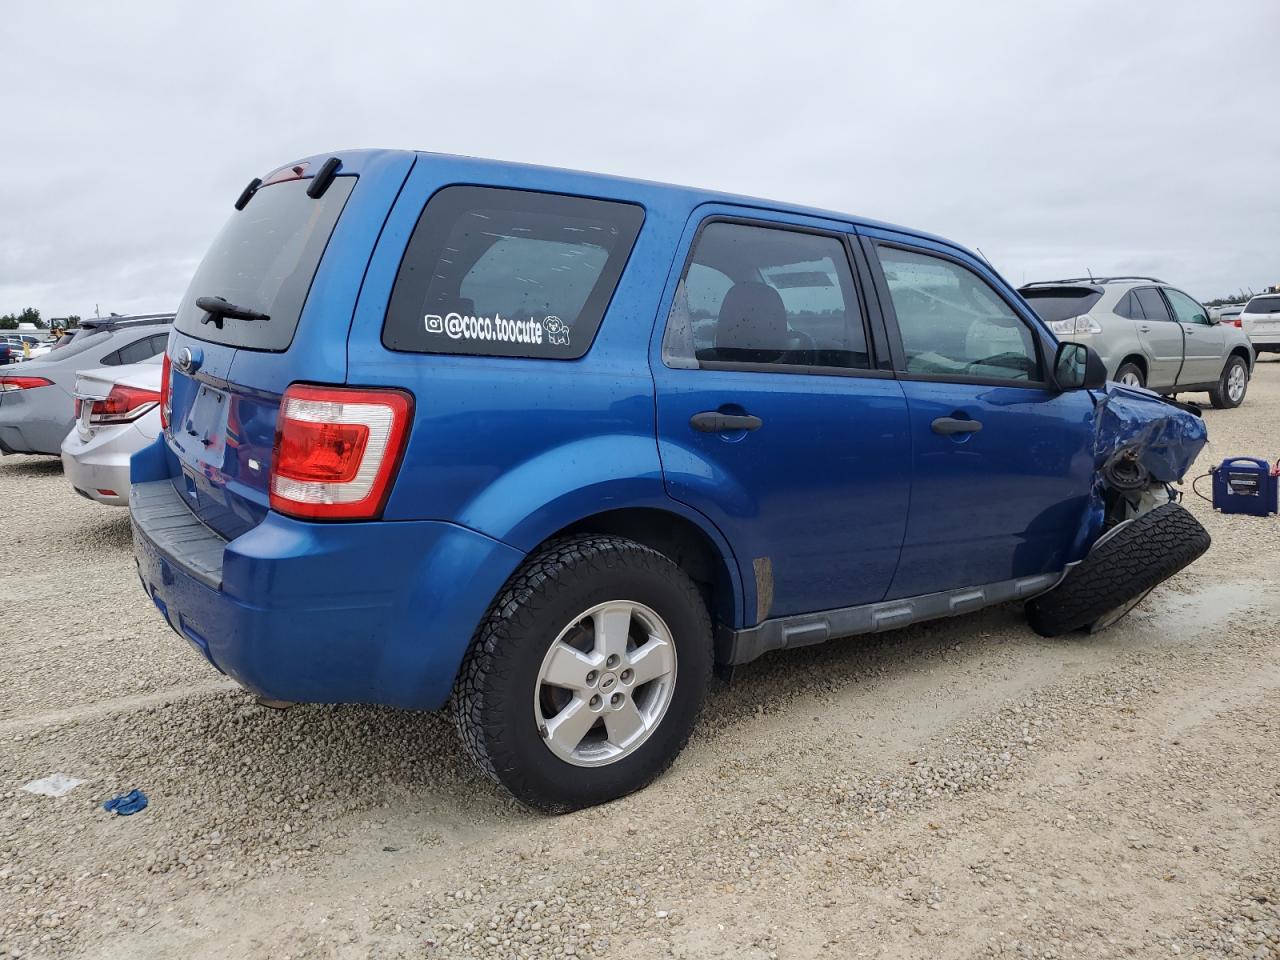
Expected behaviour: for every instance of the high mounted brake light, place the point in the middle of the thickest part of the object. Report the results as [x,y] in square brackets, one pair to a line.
[337,450]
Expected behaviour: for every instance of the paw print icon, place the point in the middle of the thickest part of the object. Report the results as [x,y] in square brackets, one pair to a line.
[557,331]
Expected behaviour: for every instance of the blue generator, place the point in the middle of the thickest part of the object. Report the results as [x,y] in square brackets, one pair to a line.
[1245,485]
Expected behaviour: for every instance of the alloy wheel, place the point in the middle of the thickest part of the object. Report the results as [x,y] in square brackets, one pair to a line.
[605,683]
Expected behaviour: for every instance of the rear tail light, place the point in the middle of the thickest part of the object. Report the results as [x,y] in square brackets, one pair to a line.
[8,384]
[123,405]
[166,398]
[337,450]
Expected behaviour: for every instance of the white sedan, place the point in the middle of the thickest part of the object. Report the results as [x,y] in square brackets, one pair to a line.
[117,413]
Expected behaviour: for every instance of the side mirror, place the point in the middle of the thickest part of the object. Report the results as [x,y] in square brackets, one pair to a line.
[1077,367]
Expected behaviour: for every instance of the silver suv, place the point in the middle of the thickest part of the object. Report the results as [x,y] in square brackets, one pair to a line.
[1149,334]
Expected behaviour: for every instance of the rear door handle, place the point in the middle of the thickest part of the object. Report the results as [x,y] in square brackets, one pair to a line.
[950,425]
[712,421]
[1144,328]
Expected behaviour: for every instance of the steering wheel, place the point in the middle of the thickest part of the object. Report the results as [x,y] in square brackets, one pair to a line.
[810,345]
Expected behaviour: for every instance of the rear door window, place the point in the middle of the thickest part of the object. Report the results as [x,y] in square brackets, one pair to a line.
[1152,304]
[509,273]
[764,295]
[264,259]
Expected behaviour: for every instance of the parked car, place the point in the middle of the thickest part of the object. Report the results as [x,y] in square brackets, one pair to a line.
[117,413]
[27,346]
[1149,334]
[1227,313]
[549,446]
[1260,321]
[36,402]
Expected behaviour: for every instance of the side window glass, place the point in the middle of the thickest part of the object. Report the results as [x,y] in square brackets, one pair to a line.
[112,359]
[509,273]
[763,295]
[1152,303]
[953,323]
[1186,309]
[1129,307]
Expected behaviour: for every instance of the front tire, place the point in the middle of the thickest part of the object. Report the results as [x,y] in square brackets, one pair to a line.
[1125,564]
[585,679]
[1232,385]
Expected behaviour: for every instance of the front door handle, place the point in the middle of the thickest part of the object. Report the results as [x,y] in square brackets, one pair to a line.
[952,425]
[713,421]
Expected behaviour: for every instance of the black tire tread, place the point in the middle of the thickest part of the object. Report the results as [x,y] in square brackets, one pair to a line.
[516,608]
[1218,395]
[1148,551]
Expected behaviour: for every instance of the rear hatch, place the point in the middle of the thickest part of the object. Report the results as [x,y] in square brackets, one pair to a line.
[291,264]
[1261,317]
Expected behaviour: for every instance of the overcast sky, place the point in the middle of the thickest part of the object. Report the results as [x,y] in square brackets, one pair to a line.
[1117,137]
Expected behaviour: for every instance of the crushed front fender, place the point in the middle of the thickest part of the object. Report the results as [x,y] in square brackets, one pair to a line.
[1140,439]
[1162,435]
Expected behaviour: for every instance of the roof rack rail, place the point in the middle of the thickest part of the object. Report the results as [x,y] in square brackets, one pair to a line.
[1041,283]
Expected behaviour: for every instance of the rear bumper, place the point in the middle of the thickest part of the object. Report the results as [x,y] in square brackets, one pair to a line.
[102,462]
[378,612]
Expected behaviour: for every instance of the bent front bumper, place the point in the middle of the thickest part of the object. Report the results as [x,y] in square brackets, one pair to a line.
[377,612]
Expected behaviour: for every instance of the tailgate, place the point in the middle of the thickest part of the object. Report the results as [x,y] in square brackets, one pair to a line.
[271,304]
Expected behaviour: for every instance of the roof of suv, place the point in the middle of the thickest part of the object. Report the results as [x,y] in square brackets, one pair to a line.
[1094,283]
[561,179]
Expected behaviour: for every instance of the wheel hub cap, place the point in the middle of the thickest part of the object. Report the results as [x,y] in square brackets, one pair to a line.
[605,683]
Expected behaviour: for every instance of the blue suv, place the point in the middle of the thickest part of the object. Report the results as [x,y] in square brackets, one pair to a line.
[553,447]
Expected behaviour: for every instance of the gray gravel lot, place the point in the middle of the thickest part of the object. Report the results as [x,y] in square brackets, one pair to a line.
[958,789]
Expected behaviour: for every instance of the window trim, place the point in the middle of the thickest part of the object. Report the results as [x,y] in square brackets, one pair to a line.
[844,238]
[895,338]
[606,304]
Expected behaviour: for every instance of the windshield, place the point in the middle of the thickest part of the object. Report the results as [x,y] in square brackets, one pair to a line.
[1061,303]
[1264,305]
[264,260]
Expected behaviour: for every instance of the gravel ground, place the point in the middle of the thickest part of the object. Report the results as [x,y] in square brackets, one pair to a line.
[958,789]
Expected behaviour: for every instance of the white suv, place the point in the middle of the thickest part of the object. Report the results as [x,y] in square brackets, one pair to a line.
[1261,322]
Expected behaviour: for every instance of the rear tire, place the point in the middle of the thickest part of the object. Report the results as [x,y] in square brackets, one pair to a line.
[1232,385]
[1120,570]
[1130,374]
[528,732]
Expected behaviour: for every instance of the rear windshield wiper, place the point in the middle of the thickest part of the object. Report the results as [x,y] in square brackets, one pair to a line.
[215,308]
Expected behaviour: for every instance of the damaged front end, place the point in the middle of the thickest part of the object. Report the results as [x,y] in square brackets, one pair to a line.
[1143,444]
[1137,534]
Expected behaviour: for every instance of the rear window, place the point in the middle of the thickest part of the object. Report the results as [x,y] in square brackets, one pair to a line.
[1061,303]
[264,259]
[509,273]
[1263,305]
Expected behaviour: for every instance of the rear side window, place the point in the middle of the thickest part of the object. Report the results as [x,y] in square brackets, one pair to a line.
[1052,304]
[763,295]
[1263,305]
[265,259]
[509,273]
